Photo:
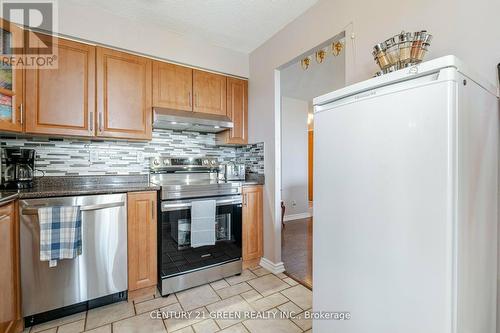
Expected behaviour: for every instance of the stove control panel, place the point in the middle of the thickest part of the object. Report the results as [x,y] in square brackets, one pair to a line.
[182,163]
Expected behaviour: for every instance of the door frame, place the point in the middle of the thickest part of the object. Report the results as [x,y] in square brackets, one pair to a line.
[350,62]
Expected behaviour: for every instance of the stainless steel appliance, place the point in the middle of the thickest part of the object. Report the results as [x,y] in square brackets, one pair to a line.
[182,181]
[231,171]
[97,276]
[19,168]
[190,121]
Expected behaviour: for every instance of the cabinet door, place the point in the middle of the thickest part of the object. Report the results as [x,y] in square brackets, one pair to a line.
[123,95]
[142,251]
[209,92]
[237,110]
[10,305]
[172,86]
[252,222]
[61,101]
[11,80]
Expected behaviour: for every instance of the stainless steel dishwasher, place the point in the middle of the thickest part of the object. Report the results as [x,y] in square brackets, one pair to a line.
[101,269]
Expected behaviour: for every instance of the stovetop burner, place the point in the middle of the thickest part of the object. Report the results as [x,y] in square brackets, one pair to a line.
[190,177]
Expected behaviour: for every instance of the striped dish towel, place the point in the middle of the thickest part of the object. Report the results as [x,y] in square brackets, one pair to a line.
[60,233]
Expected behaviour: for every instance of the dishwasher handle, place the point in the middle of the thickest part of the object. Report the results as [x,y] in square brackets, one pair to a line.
[33,210]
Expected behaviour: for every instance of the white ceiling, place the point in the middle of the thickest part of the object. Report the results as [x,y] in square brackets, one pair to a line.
[240,25]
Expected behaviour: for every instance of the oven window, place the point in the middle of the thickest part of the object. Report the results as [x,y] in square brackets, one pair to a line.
[177,255]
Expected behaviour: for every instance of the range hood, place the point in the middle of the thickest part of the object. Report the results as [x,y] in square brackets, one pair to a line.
[190,121]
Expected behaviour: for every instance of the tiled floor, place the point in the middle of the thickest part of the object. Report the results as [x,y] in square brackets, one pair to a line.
[254,291]
[297,249]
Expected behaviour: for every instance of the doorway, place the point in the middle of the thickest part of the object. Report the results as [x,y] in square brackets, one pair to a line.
[319,71]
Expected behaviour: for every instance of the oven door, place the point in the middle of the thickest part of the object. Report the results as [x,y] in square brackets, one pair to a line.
[176,254]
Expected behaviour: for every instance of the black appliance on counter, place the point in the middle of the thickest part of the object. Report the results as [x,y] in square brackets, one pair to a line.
[184,181]
[19,168]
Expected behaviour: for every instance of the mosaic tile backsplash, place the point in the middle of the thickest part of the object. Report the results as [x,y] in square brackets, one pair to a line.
[72,157]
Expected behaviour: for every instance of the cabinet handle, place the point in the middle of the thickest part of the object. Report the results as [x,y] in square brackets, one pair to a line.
[152,210]
[195,99]
[190,99]
[100,121]
[91,121]
[245,200]
[21,111]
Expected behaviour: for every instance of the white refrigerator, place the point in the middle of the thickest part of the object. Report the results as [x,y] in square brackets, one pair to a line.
[405,203]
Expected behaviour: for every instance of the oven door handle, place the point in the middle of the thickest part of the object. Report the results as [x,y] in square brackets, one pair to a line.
[183,205]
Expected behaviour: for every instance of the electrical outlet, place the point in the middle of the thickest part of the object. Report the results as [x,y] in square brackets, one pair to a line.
[294,203]
[94,155]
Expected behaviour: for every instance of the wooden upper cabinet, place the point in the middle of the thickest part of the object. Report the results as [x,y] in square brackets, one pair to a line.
[252,222]
[11,80]
[209,92]
[123,95]
[10,295]
[61,101]
[172,86]
[237,110]
[142,234]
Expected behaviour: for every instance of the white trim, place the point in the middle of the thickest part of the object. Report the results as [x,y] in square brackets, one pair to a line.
[299,216]
[272,267]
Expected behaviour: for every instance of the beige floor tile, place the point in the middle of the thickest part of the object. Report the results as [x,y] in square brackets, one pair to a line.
[102,329]
[302,322]
[290,308]
[244,276]
[271,326]
[256,267]
[188,329]
[261,271]
[268,284]
[281,275]
[229,305]
[251,295]
[58,322]
[269,302]
[309,331]
[76,327]
[108,314]
[196,297]
[155,303]
[300,295]
[140,323]
[238,328]
[206,326]
[291,281]
[180,319]
[234,290]
[219,284]
[50,330]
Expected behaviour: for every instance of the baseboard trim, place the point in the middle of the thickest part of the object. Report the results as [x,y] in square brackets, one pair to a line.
[271,266]
[299,216]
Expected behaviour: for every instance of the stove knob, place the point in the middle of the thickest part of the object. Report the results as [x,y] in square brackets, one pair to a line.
[166,162]
[156,162]
[205,162]
[213,162]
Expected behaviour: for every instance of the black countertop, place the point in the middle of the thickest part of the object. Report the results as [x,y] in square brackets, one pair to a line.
[81,185]
[44,187]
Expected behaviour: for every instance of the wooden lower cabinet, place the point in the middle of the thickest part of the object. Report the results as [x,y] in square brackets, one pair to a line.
[142,251]
[252,223]
[10,291]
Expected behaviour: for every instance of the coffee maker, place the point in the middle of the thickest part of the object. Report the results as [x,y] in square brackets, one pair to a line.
[19,168]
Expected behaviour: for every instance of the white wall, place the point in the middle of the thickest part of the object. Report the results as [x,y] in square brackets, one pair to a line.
[294,148]
[468,29]
[84,21]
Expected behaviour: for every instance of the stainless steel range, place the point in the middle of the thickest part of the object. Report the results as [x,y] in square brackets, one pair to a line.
[183,181]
